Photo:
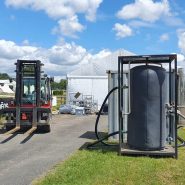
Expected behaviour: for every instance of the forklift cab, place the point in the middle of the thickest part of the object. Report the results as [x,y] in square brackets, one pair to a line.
[29,91]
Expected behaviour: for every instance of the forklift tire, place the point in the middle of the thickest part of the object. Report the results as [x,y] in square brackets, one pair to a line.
[44,128]
[9,127]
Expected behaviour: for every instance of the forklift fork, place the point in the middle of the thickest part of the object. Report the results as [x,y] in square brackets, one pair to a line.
[17,127]
[34,122]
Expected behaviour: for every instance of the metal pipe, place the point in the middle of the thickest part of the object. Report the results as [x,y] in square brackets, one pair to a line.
[180,114]
[129,102]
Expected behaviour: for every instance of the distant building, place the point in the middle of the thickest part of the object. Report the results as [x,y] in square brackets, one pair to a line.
[7,86]
[91,79]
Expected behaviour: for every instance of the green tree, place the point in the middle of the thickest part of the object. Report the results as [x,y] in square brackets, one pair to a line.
[63,84]
[4,76]
[59,85]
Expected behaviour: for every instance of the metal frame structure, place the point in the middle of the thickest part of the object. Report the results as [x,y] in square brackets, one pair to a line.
[173,94]
[88,103]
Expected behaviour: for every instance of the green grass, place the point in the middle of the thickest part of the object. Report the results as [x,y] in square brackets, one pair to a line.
[103,167]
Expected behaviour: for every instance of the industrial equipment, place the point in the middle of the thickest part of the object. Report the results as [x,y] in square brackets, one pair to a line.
[151,116]
[147,106]
[32,105]
[86,101]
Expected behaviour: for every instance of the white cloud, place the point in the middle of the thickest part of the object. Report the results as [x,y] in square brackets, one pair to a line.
[181,40]
[103,53]
[68,27]
[164,37]
[122,30]
[66,11]
[180,58]
[67,54]
[10,50]
[174,21]
[181,45]
[60,8]
[146,10]
[89,58]
[26,42]
[58,60]
[138,23]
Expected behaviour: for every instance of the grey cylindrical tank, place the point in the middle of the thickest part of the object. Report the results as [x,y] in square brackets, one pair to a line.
[146,123]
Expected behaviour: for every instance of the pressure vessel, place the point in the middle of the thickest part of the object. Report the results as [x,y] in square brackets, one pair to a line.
[146,122]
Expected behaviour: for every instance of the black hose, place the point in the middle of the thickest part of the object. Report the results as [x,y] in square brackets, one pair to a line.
[99,114]
[182,144]
[101,140]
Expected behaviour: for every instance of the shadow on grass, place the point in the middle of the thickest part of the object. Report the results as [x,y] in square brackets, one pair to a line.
[99,147]
[106,149]
[92,135]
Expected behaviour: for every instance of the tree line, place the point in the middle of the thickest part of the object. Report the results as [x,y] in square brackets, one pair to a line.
[58,86]
[4,76]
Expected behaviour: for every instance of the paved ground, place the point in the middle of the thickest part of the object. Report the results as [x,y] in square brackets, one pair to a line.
[22,158]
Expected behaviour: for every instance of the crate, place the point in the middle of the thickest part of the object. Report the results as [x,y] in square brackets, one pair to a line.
[80,111]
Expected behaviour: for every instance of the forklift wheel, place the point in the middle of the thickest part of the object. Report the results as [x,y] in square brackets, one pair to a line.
[9,127]
[44,128]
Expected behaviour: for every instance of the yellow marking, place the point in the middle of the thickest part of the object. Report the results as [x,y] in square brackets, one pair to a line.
[13,130]
[31,130]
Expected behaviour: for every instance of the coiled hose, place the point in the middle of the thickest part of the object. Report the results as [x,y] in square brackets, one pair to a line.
[101,140]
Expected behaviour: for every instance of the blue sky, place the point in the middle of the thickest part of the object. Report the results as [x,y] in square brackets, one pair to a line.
[66,34]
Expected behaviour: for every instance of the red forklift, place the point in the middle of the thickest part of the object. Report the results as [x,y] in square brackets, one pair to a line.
[32,105]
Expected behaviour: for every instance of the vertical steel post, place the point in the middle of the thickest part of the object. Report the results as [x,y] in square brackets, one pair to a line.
[38,82]
[18,95]
[176,100]
[170,101]
[170,83]
[121,101]
[119,104]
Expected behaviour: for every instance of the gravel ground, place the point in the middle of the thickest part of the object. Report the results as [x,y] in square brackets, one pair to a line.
[24,158]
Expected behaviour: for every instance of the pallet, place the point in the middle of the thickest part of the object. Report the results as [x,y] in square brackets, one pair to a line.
[168,151]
